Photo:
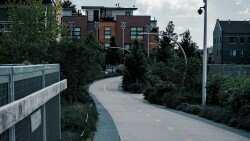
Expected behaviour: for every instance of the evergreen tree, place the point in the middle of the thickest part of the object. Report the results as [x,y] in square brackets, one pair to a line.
[113,55]
[189,46]
[166,50]
[135,69]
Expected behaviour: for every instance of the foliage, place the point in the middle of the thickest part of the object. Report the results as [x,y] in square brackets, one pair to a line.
[34,39]
[189,46]
[81,63]
[113,55]
[32,33]
[69,4]
[166,51]
[214,86]
[135,70]
[170,70]
[235,93]
[244,117]
[76,118]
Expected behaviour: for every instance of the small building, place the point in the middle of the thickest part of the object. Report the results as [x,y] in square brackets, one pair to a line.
[231,42]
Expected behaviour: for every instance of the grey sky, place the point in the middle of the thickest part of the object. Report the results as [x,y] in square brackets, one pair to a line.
[184,13]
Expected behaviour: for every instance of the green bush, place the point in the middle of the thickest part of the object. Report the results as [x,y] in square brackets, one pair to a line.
[73,121]
[235,93]
[161,93]
[134,69]
[244,117]
[188,108]
[173,100]
[217,114]
[214,87]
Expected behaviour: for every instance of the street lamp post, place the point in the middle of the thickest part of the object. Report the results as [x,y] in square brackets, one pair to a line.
[123,26]
[204,69]
[148,40]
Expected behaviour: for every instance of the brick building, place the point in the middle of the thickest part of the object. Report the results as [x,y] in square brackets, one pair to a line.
[108,22]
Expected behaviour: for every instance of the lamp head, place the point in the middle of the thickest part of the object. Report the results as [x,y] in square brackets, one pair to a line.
[200,11]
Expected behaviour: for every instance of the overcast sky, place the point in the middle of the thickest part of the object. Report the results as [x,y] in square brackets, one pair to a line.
[183,13]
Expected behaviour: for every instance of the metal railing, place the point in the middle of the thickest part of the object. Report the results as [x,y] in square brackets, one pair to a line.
[30,102]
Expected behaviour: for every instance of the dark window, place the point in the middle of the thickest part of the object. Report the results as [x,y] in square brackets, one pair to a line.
[128,13]
[2,27]
[136,33]
[248,40]
[242,40]
[242,52]
[5,27]
[232,39]
[96,15]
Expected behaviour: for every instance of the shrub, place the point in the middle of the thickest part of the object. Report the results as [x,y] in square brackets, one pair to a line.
[172,100]
[235,93]
[216,113]
[192,109]
[214,87]
[135,70]
[163,93]
[244,117]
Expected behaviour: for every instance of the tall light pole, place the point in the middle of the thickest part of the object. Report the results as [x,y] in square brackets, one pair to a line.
[204,68]
[123,26]
[148,40]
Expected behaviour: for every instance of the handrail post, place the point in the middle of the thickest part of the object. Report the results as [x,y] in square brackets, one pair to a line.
[44,108]
[11,98]
[60,110]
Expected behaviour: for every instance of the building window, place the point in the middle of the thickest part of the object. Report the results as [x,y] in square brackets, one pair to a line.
[128,13]
[232,39]
[136,33]
[248,40]
[242,40]
[5,27]
[127,46]
[234,52]
[242,53]
[107,33]
[76,32]
[107,45]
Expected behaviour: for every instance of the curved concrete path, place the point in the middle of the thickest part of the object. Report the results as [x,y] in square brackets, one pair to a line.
[137,120]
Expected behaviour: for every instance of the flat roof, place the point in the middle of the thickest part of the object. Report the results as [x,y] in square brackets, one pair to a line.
[111,8]
[2,2]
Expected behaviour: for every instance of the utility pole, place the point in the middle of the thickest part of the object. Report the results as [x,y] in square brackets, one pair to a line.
[204,69]
[123,26]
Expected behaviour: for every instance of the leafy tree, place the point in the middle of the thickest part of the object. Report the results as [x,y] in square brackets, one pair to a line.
[135,69]
[31,33]
[81,62]
[69,4]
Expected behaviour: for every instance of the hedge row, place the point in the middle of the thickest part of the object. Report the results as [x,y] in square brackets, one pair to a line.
[228,100]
